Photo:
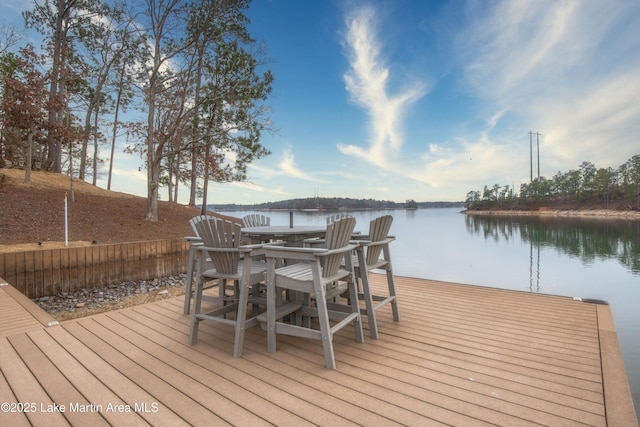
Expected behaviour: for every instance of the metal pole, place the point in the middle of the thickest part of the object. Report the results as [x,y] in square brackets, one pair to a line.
[66,222]
[531,153]
[538,155]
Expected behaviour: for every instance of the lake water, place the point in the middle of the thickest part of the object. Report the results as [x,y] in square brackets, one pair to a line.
[575,257]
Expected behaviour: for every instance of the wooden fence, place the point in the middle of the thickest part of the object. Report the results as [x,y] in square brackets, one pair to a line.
[43,272]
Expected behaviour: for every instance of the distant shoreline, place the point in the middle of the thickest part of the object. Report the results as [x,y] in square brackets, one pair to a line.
[579,213]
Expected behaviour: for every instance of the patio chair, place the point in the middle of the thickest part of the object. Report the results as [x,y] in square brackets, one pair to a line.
[256,220]
[373,253]
[317,272]
[229,262]
[335,217]
[193,260]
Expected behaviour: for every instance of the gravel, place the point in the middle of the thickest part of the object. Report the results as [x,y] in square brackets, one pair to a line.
[88,298]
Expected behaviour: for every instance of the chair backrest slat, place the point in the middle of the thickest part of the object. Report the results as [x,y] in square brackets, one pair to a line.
[338,235]
[378,231]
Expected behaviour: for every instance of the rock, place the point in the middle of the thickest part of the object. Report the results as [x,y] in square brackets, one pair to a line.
[87,298]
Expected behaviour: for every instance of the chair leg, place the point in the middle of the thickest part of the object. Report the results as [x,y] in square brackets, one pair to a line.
[392,292]
[363,275]
[241,318]
[355,308]
[193,336]
[325,331]
[271,306]
[189,280]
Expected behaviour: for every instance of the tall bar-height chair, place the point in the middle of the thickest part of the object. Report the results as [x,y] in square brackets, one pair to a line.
[230,262]
[372,254]
[194,258]
[317,272]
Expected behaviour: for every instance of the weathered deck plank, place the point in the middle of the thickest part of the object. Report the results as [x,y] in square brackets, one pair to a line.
[461,355]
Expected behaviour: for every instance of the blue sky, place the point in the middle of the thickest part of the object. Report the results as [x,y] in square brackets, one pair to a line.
[428,100]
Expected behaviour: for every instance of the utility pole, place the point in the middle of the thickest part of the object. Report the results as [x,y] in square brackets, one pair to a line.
[538,135]
[538,154]
[531,156]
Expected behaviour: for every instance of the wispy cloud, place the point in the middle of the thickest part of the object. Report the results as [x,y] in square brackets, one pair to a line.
[288,167]
[459,166]
[257,188]
[367,83]
[568,69]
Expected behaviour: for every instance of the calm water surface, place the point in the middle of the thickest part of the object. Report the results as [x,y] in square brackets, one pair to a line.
[575,257]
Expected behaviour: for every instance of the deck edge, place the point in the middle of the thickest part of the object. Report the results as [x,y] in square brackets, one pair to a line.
[30,307]
[620,410]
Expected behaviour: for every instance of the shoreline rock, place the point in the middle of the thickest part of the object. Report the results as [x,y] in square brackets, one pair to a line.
[102,296]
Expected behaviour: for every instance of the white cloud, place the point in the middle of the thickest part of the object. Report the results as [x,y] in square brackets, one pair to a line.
[567,69]
[461,167]
[367,83]
[257,188]
[288,167]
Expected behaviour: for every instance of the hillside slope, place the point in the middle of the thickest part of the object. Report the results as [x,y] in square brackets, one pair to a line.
[35,213]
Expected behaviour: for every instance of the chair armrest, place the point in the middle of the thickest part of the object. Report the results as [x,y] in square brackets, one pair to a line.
[210,249]
[365,241]
[357,242]
[343,249]
[359,236]
[288,252]
[251,250]
[258,249]
[255,246]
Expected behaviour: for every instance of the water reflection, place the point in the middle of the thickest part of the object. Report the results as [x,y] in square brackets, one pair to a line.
[583,238]
[535,288]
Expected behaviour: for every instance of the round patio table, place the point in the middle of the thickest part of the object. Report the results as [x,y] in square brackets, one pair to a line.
[293,236]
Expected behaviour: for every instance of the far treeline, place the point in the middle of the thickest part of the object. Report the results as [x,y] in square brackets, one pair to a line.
[586,186]
[335,203]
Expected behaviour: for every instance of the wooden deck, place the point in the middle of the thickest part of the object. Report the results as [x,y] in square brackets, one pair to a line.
[461,355]
[19,314]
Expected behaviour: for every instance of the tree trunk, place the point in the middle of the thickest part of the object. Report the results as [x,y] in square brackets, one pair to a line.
[205,185]
[194,151]
[153,166]
[85,145]
[153,184]
[57,69]
[27,163]
[194,177]
[177,175]
[95,148]
[115,129]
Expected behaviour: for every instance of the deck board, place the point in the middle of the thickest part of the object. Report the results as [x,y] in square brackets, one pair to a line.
[461,355]
[19,313]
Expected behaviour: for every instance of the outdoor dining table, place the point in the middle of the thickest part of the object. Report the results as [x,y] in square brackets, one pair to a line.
[293,236]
